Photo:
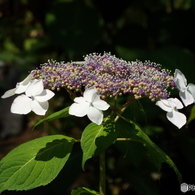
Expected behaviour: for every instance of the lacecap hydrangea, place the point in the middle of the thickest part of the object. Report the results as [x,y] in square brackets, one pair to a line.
[110,75]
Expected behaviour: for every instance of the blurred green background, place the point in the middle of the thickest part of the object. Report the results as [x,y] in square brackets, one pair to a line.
[163,31]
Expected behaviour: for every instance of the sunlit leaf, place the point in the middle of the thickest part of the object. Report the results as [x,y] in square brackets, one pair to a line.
[96,138]
[34,163]
[192,115]
[56,115]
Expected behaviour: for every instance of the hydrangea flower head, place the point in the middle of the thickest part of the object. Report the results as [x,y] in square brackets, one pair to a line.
[111,76]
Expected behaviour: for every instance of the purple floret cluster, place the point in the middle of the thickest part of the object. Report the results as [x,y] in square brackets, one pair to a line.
[110,75]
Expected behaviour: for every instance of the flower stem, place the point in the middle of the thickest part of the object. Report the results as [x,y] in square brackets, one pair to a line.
[102,184]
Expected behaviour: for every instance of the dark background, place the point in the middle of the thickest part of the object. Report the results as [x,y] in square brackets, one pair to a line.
[33,31]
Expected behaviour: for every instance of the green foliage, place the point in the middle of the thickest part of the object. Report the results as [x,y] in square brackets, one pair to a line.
[154,152]
[70,172]
[192,115]
[83,191]
[34,163]
[56,115]
[96,138]
[133,166]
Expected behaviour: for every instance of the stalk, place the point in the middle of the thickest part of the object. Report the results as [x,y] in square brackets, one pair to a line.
[102,184]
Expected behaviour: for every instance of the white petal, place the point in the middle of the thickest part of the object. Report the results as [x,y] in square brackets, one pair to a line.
[79,110]
[40,108]
[22,86]
[175,103]
[27,79]
[164,104]
[186,97]
[95,115]
[191,88]
[21,105]
[45,95]
[101,105]
[91,95]
[35,88]
[180,80]
[177,118]
[80,100]
[9,93]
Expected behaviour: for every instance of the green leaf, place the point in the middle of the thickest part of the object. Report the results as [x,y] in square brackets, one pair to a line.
[155,153]
[96,138]
[83,191]
[69,173]
[192,115]
[34,163]
[56,115]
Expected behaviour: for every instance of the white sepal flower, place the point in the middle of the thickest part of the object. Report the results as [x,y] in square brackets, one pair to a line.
[35,99]
[90,104]
[191,88]
[170,106]
[20,87]
[185,91]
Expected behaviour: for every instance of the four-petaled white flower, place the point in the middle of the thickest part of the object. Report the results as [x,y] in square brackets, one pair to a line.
[170,106]
[90,104]
[20,87]
[186,92]
[34,99]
